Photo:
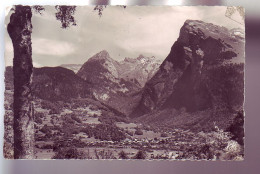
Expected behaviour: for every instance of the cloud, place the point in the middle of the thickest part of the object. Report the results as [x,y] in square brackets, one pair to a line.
[155,32]
[52,47]
[148,30]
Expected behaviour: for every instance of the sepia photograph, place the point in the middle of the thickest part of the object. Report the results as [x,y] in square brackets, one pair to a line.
[124,82]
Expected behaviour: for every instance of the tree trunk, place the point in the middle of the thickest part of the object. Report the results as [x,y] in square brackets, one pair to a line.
[20,29]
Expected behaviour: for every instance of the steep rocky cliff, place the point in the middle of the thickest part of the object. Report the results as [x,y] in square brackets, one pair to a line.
[203,71]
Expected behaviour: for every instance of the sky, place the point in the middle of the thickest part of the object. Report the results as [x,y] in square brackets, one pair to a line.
[123,32]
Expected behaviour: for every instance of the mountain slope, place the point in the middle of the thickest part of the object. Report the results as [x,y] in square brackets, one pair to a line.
[101,71]
[57,83]
[203,71]
[53,83]
[74,67]
[138,70]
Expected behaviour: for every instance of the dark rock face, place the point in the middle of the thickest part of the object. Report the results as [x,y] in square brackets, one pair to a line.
[204,70]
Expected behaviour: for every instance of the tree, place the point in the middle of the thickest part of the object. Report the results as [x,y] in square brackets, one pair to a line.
[69,153]
[122,155]
[140,155]
[237,128]
[19,30]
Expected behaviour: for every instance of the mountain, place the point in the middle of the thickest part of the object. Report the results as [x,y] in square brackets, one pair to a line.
[139,70]
[74,67]
[57,83]
[204,71]
[53,83]
[117,84]
[101,71]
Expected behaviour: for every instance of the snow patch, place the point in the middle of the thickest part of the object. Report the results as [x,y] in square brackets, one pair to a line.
[124,90]
[104,97]
[111,68]
[200,52]
[168,65]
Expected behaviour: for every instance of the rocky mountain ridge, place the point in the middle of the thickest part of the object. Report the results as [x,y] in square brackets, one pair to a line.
[117,83]
[199,73]
[140,69]
[53,83]
[74,67]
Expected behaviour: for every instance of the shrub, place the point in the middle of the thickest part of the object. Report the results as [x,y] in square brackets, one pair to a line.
[75,131]
[122,155]
[45,129]
[54,110]
[233,151]
[140,155]
[8,150]
[164,135]
[139,132]
[74,117]
[39,114]
[104,154]
[69,153]
[38,120]
[130,133]
[237,128]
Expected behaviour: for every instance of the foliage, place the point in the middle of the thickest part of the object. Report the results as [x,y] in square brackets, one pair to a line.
[69,153]
[212,145]
[45,129]
[54,111]
[233,151]
[140,155]
[65,142]
[104,154]
[45,104]
[104,132]
[164,135]
[99,9]
[123,155]
[228,91]
[38,9]
[37,118]
[139,132]
[77,119]
[108,132]
[8,150]
[65,15]
[237,128]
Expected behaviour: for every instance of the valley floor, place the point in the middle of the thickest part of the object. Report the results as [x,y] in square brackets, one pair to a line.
[87,130]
